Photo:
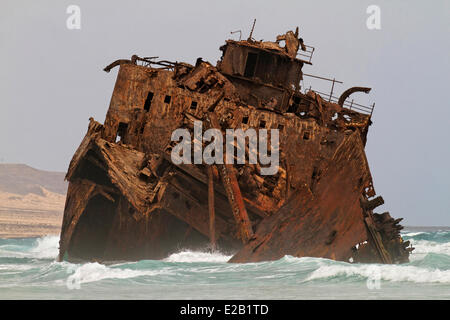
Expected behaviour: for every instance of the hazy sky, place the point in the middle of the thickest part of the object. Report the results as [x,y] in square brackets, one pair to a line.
[51,78]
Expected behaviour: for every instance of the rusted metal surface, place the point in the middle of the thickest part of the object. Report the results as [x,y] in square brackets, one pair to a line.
[212,213]
[349,91]
[127,200]
[233,191]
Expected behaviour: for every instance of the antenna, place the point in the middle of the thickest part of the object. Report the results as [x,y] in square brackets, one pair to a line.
[251,32]
[240,33]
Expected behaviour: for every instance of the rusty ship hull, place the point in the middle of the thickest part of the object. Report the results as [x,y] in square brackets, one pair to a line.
[128,201]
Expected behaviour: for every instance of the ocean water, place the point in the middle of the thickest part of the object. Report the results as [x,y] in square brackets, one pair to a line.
[28,270]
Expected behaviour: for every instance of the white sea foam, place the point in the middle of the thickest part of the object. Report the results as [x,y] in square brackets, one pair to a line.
[14,267]
[197,256]
[42,248]
[9,251]
[394,273]
[424,246]
[412,234]
[45,248]
[92,272]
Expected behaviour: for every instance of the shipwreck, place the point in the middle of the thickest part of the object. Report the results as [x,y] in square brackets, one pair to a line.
[127,199]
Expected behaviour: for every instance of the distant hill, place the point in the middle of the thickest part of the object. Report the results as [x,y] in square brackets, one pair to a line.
[31,201]
[22,179]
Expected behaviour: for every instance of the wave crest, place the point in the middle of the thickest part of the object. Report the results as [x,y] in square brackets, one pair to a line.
[197,256]
[92,272]
[393,273]
[45,248]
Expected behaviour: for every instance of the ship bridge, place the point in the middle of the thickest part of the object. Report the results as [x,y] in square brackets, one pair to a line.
[266,72]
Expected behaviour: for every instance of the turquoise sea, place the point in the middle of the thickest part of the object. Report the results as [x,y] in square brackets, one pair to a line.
[28,270]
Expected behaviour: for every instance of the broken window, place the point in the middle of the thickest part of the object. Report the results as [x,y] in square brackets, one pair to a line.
[193,105]
[148,101]
[121,131]
[280,127]
[306,135]
[245,120]
[295,104]
[314,173]
[262,124]
[250,65]
[167,99]
[292,108]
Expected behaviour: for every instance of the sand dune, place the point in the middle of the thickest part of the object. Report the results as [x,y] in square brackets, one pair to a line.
[31,201]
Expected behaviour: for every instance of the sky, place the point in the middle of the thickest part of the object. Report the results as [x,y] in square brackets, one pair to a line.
[51,78]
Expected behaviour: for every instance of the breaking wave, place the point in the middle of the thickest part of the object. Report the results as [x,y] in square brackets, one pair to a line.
[46,247]
[426,247]
[394,273]
[197,256]
[92,272]
[41,248]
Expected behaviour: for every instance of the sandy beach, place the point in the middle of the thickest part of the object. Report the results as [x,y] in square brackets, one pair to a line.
[29,223]
[31,201]
[30,215]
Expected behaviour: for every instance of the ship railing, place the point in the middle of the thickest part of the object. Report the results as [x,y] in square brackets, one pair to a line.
[307,54]
[351,105]
[149,61]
